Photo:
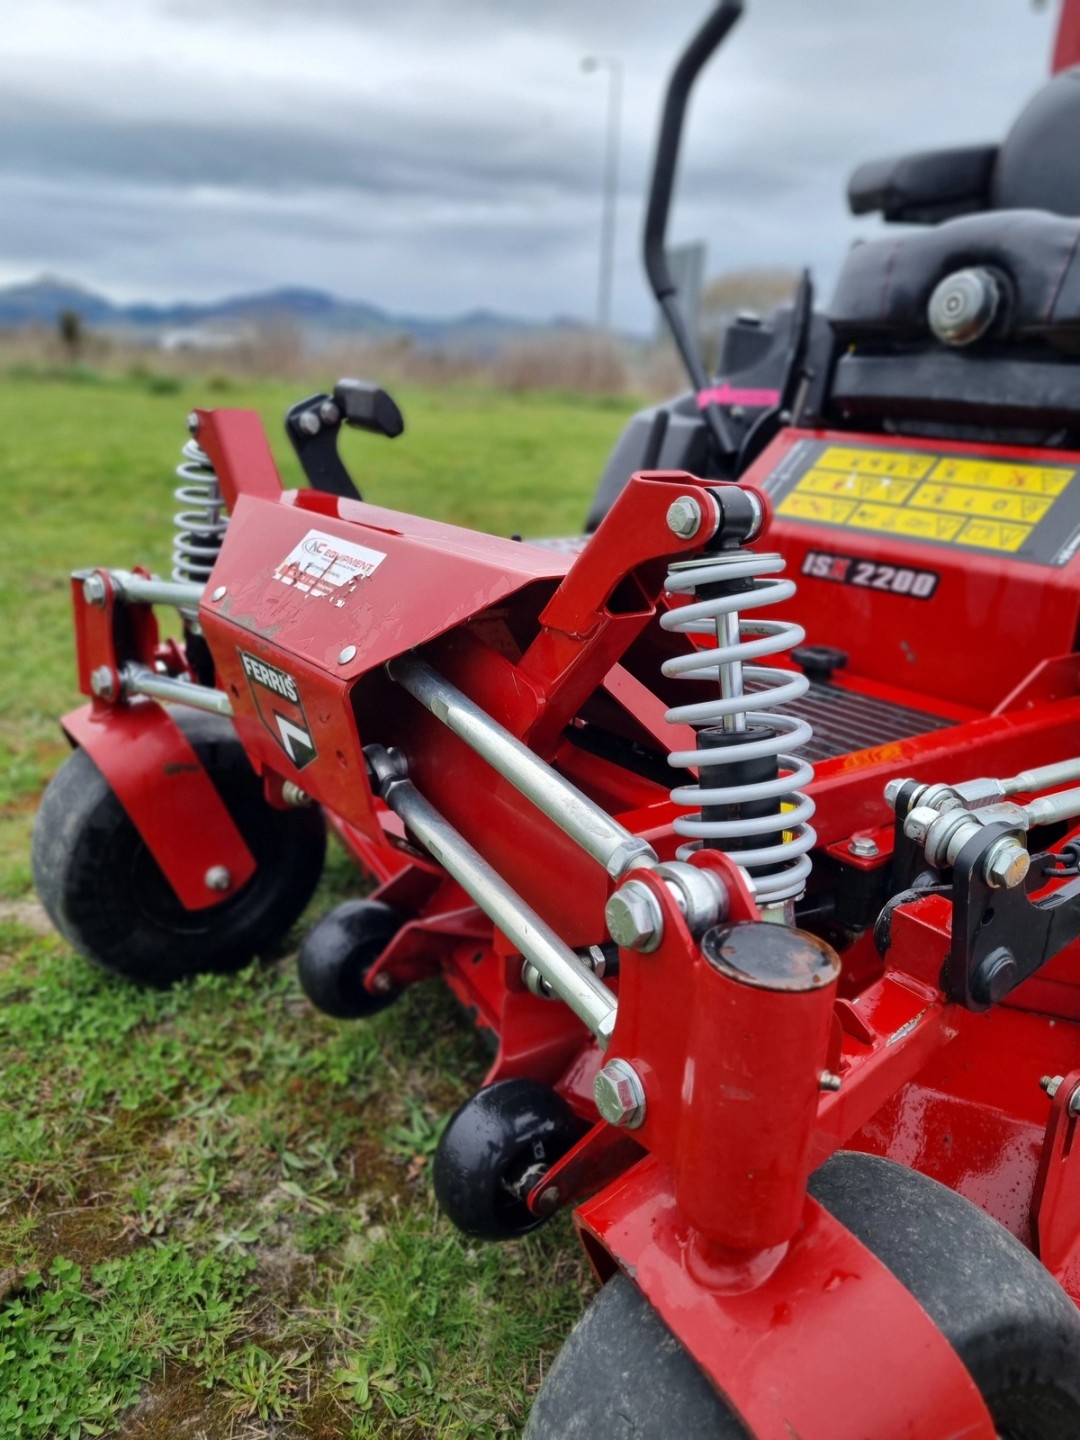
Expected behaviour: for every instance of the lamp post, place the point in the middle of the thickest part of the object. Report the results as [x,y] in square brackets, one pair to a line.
[613,66]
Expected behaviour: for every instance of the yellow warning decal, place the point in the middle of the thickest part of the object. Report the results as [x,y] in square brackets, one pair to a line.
[985,504]
[900,463]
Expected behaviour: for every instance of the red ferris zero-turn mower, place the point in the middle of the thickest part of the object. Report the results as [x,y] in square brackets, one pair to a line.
[812,1091]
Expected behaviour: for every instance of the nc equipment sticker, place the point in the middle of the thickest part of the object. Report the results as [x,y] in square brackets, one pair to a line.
[326,566]
[277,700]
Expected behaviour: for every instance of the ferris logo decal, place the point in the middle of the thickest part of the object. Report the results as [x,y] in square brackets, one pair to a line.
[277,699]
[867,575]
[325,565]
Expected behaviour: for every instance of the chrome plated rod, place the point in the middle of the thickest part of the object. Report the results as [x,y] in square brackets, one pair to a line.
[1028,781]
[568,975]
[150,590]
[138,680]
[589,826]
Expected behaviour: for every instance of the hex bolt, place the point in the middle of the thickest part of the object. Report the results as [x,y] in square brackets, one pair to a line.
[193,423]
[94,591]
[329,413]
[684,517]
[828,1081]
[634,918]
[344,656]
[620,1095]
[102,684]
[547,1202]
[217,878]
[294,796]
[220,593]
[1006,864]
[892,792]
[1051,1084]
[864,847]
[309,423]
[918,821]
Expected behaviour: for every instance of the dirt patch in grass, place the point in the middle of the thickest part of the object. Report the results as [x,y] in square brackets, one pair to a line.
[176,1407]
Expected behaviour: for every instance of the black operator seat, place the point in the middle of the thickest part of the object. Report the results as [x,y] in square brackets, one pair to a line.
[1036,167]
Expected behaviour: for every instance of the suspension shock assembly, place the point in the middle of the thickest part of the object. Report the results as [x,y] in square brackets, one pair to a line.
[744,805]
[199,530]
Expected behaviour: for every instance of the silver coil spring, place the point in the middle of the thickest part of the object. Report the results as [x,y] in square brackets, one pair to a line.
[733,710]
[201,522]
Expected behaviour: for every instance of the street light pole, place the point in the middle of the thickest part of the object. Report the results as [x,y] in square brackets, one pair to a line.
[613,66]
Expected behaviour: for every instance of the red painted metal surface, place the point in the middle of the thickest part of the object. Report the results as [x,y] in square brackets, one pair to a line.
[160,781]
[815,1340]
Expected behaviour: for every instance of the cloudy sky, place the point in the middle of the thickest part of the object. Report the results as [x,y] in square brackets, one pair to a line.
[432,156]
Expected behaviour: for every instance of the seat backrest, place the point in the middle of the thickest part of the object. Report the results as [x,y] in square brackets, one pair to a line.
[1038,165]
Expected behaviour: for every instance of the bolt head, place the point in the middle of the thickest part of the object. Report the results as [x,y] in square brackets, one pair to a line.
[892,792]
[309,423]
[684,517]
[102,683]
[344,656]
[94,591]
[620,1095]
[1007,864]
[863,847]
[634,918]
[217,878]
[220,593]
[329,413]
[193,423]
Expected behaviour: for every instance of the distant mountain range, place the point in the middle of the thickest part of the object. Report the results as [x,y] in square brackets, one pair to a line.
[319,315]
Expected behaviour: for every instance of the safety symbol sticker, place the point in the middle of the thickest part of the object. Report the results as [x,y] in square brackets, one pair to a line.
[325,565]
[277,699]
[965,501]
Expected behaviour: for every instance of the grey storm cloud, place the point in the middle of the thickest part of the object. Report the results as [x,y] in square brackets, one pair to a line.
[429,156]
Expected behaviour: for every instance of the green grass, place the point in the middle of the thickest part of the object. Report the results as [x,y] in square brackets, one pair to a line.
[214,1210]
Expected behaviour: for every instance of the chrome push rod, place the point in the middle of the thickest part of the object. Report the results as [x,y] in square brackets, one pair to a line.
[138,680]
[569,977]
[589,826]
[142,589]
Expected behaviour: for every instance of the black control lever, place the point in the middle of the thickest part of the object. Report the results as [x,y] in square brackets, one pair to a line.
[313,425]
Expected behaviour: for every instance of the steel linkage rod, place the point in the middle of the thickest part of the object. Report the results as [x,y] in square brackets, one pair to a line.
[138,680]
[569,977]
[589,826]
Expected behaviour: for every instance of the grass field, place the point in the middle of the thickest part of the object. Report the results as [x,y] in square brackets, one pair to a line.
[215,1219]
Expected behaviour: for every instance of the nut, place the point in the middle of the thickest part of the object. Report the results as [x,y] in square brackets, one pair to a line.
[918,822]
[293,795]
[217,878]
[620,1095]
[684,517]
[329,413]
[634,918]
[309,423]
[193,423]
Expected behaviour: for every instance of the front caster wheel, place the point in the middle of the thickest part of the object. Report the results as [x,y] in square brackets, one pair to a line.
[338,953]
[497,1146]
[108,898]
[622,1372]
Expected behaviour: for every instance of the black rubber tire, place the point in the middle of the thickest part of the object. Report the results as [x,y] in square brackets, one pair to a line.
[108,898]
[1009,1321]
[495,1148]
[622,1374]
[337,953]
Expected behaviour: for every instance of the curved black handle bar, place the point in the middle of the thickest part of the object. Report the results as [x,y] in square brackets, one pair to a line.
[701,47]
